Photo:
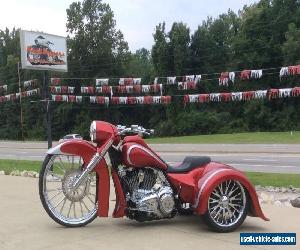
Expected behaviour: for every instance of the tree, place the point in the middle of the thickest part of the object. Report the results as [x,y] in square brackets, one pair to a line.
[264,34]
[211,45]
[160,50]
[94,40]
[291,47]
[179,41]
[140,65]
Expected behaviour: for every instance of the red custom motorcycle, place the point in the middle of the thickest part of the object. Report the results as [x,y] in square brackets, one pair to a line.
[74,182]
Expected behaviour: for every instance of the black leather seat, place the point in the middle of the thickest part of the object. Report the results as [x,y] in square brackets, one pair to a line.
[189,163]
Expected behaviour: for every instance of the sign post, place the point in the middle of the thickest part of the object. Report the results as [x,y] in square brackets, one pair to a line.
[41,51]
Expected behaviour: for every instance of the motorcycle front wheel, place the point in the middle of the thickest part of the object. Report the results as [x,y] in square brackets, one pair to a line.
[66,206]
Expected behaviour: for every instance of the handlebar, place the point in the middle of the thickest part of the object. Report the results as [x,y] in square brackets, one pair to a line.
[134,129]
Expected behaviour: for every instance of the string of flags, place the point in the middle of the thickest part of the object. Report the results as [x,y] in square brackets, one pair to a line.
[16,96]
[121,100]
[198,98]
[290,70]
[187,82]
[242,96]
[30,83]
[62,89]
[134,86]
[27,85]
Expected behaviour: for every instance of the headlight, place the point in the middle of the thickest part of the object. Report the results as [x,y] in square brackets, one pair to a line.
[93,131]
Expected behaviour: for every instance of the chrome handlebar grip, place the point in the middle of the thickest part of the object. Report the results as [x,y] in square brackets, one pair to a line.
[135,129]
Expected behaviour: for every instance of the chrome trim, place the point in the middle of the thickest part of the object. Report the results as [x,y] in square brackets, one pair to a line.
[145,150]
[93,131]
[227,206]
[61,203]
[55,150]
[205,182]
[92,164]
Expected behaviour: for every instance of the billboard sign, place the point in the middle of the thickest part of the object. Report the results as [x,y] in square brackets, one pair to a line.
[42,51]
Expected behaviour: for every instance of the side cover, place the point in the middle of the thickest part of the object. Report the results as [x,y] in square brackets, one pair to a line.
[86,150]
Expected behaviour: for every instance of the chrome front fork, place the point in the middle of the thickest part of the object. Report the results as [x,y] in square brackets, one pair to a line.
[92,164]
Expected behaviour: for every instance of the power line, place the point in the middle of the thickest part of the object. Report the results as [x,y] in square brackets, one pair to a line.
[177,76]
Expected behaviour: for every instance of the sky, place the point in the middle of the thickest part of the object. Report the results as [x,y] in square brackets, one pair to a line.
[135,18]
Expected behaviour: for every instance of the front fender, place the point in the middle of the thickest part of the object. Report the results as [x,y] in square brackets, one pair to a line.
[211,179]
[74,147]
[86,150]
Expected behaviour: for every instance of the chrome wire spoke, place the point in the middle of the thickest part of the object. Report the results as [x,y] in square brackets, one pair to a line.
[85,205]
[62,207]
[214,209]
[90,199]
[213,200]
[54,189]
[81,208]
[216,194]
[71,207]
[74,209]
[218,212]
[232,187]
[226,203]
[61,165]
[58,177]
[58,203]
[235,199]
[55,195]
[221,189]
[235,209]
[227,183]
[231,192]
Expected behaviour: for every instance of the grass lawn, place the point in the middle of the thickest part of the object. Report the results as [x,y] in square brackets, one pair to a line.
[255,137]
[263,179]
[274,179]
[10,165]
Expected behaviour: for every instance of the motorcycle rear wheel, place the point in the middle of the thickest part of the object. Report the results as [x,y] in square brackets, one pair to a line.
[228,205]
[67,207]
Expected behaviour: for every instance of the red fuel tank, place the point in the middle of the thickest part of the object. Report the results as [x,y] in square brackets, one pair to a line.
[138,155]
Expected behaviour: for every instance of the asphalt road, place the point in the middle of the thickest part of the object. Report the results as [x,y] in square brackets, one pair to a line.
[25,225]
[277,158]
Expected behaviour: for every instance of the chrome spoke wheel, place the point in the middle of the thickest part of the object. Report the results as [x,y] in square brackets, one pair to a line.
[65,204]
[227,203]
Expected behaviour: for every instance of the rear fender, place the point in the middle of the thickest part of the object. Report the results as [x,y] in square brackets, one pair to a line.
[86,150]
[212,178]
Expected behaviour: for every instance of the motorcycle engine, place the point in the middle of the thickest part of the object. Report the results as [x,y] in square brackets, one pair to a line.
[148,194]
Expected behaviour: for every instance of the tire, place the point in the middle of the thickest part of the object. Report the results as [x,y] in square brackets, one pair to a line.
[45,176]
[227,206]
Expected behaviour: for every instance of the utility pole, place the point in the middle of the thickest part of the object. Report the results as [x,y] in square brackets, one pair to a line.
[48,109]
[21,108]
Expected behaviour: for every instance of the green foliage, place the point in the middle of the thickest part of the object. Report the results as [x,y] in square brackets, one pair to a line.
[10,165]
[262,35]
[94,40]
[274,179]
[160,50]
[291,47]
